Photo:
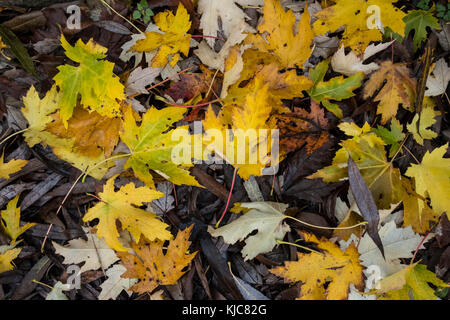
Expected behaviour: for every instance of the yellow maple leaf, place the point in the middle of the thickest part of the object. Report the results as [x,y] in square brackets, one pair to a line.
[360,20]
[292,49]
[286,85]
[38,113]
[432,178]
[93,80]
[153,267]
[10,221]
[314,270]
[173,39]
[399,89]
[8,168]
[122,205]
[6,259]
[253,115]
[426,116]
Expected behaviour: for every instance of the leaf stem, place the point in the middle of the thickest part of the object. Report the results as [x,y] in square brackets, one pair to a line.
[327,228]
[12,135]
[297,245]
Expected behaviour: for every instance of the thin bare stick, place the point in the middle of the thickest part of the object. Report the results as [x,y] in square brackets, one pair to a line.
[107,5]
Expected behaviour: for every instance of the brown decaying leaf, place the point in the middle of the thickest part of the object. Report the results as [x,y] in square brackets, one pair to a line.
[301,128]
[152,267]
[192,84]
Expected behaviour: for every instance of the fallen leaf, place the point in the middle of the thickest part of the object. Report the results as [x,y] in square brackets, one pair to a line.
[151,148]
[331,265]
[432,178]
[57,292]
[229,13]
[173,40]
[94,252]
[425,119]
[356,15]
[10,221]
[351,64]
[368,152]
[302,128]
[123,205]
[6,258]
[392,137]
[366,203]
[115,284]
[397,243]
[438,80]
[399,89]
[266,217]
[153,267]
[291,48]
[419,21]
[93,80]
[92,134]
[192,84]
[410,283]
[8,168]
[336,88]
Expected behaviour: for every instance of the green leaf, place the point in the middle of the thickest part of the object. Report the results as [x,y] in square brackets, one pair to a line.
[136,14]
[337,88]
[149,12]
[391,137]
[18,50]
[419,20]
[151,145]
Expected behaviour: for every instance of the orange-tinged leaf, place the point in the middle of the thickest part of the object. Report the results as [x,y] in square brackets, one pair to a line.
[291,48]
[314,270]
[122,205]
[173,40]
[153,267]
[360,20]
[399,89]
[92,134]
[39,114]
[8,168]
